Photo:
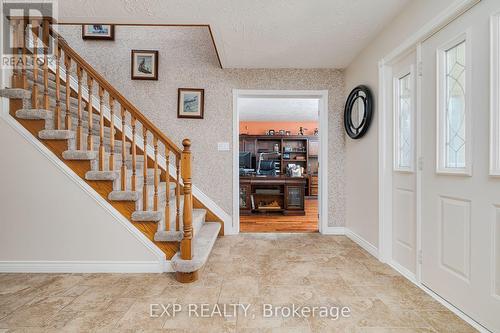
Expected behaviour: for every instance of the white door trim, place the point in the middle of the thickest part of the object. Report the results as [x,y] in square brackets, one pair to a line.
[322,95]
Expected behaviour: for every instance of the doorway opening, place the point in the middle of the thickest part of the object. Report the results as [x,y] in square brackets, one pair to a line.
[279,140]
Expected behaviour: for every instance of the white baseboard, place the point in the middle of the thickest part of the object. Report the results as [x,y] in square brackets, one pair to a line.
[84,267]
[366,245]
[370,248]
[403,271]
[334,231]
[411,277]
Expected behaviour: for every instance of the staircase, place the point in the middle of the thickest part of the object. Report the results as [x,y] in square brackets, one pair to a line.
[138,170]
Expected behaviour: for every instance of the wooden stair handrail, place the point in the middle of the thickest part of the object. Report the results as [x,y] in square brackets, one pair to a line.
[115,93]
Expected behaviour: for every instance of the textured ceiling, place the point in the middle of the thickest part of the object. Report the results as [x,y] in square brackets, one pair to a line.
[278,109]
[259,33]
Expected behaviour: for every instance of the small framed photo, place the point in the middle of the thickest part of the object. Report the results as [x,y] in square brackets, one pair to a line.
[190,103]
[98,31]
[144,65]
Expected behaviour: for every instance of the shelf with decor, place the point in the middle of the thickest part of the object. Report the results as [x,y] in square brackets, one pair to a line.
[302,150]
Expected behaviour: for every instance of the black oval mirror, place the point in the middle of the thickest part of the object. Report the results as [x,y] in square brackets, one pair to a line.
[358,112]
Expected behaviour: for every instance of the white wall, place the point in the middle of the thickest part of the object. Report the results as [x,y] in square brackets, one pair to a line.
[45,216]
[362,155]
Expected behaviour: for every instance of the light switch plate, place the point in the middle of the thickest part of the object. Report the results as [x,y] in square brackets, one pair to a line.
[223,146]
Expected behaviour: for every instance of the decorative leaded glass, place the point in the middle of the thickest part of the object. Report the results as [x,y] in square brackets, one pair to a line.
[454,119]
[404,122]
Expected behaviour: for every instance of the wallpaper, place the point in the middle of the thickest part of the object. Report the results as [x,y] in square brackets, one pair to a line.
[187,59]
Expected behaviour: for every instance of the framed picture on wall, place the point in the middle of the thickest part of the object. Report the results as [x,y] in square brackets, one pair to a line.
[144,65]
[98,31]
[190,103]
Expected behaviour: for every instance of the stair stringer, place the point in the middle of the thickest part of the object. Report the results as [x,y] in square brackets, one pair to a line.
[163,265]
[198,194]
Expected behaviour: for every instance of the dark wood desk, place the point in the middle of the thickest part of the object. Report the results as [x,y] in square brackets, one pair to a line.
[287,192]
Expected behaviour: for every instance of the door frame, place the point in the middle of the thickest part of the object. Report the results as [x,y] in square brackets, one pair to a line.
[386,158]
[322,96]
[413,43]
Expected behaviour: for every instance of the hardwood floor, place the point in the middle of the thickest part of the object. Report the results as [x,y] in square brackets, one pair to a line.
[280,223]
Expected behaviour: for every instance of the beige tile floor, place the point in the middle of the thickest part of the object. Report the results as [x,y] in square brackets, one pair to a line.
[284,269]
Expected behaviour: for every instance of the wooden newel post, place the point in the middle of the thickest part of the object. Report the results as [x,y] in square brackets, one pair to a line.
[187,225]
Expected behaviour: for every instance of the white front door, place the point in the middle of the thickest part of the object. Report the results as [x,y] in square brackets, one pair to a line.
[459,197]
[404,176]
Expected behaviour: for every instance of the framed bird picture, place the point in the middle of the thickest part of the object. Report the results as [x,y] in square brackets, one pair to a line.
[144,65]
[190,103]
[98,31]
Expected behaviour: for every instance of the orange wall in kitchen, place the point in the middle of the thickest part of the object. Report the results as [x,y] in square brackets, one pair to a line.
[261,127]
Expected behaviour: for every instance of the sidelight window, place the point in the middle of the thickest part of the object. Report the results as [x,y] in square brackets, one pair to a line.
[403,122]
[495,97]
[454,122]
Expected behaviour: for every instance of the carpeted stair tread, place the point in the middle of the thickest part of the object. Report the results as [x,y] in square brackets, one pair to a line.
[80,155]
[34,114]
[102,175]
[56,134]
[124,196]
[15,93]
[202,246]
[147,216]
[168,236]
